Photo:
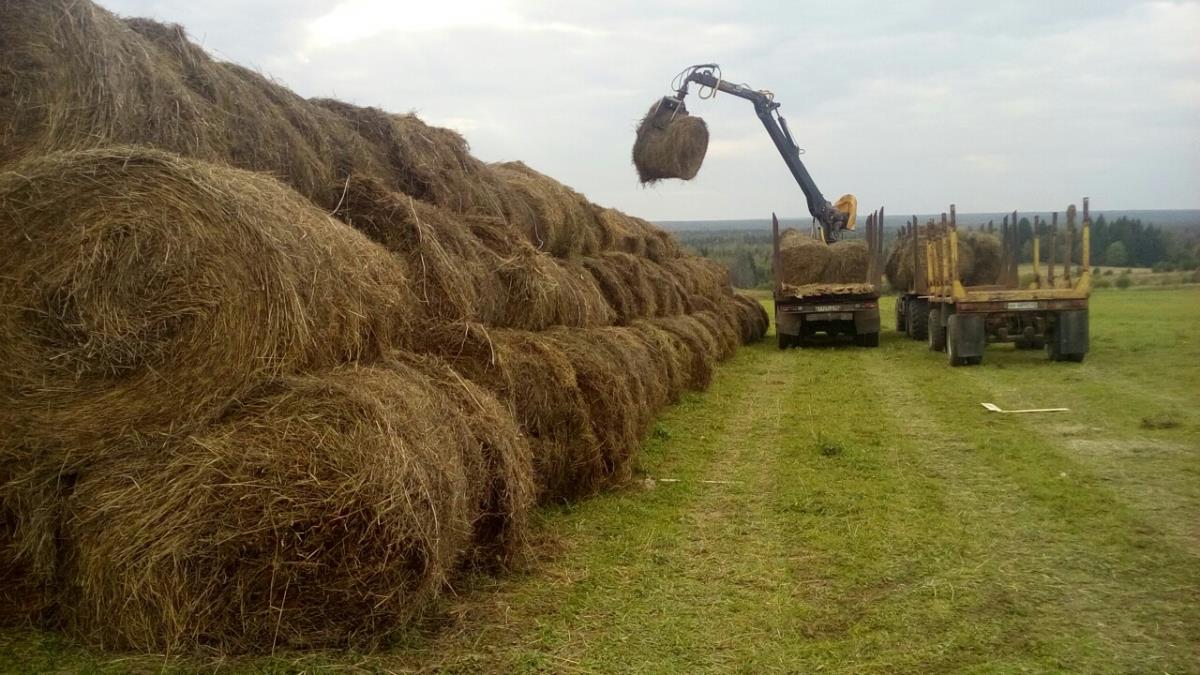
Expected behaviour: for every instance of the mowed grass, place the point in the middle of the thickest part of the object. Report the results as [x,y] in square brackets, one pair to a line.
[857,510]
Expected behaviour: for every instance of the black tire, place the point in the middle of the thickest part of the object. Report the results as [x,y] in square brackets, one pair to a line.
[1075,358]
[784,340]
[918,321]
[952,343]
[900,325]
[937,332]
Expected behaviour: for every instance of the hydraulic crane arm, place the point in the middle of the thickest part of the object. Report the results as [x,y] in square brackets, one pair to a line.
[831,218]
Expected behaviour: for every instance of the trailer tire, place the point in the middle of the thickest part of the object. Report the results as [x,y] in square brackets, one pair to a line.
[917,318]
[937,331]
[900,324]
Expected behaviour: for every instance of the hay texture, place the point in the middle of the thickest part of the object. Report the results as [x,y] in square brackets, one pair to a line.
[805,261]
[669,144]
[278,371]
[143,291]
[320,513]
[979,256]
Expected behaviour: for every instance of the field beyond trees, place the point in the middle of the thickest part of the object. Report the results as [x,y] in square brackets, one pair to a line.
[856,510]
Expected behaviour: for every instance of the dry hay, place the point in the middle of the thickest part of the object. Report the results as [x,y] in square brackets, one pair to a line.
[899,266]
[142,291]
[752,318]
[802,259]
[535,291]
[979,257]
[809,261]
[986,254]
[535,379]
[695,345]
[319,513]
[552,216]
[78,77]
[430,163]
[669,144]
[667,352]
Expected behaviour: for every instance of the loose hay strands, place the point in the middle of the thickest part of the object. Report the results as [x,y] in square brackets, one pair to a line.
[145,291]
[320,513]
[669,144]
[553,217]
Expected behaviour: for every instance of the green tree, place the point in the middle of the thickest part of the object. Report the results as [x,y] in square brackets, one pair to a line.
[1116,255]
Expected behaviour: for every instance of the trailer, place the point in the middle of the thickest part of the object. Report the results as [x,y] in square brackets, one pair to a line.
[1047,312]
[805,314]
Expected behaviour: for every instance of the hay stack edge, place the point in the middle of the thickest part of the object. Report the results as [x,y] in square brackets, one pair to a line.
[279,372]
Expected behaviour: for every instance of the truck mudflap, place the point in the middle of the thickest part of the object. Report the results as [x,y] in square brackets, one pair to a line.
[1070,339]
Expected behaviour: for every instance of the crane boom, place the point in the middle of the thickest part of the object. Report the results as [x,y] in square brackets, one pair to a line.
[832,218]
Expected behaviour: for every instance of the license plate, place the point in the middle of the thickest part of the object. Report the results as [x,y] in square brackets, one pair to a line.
[1023,305]
[826,308]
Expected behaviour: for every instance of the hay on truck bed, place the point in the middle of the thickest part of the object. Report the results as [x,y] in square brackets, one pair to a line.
[808,262]
[669,144]
[979,255]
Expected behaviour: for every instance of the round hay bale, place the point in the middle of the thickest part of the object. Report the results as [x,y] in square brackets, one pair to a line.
[142,291]
[696,345]
[553,217]
[670,353]
[612,285]
[802,258]
[319,514]
[986,254]
[669,144]
[847,262]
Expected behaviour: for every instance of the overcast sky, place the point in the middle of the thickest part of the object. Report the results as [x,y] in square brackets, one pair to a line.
[996,106]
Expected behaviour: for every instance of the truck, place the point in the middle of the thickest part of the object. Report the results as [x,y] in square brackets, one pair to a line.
[1047,312]
[833,310]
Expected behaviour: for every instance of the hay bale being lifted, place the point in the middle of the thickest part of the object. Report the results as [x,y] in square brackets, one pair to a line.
[141,290]
[670,143]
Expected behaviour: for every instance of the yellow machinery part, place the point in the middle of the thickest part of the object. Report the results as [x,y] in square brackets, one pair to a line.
[847,204]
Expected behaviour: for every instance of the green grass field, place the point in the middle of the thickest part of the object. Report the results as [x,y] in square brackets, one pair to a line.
[856,510]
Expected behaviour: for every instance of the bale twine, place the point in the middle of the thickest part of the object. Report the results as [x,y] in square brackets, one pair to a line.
[141,290]
[669,144]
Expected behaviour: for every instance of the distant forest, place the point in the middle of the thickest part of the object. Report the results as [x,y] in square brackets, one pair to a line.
[1122,242]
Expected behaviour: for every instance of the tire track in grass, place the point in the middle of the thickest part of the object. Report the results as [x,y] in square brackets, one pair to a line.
[894,560]
[1153,473]
[1106,591]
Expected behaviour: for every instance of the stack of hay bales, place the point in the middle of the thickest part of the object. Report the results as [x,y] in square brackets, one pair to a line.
[278,371]
[979,256]
[806,261]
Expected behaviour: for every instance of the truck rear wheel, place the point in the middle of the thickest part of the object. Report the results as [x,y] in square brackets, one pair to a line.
[937,331]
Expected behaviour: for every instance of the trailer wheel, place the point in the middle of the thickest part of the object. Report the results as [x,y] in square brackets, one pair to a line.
[917,318]
[900,325]
[937,332]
